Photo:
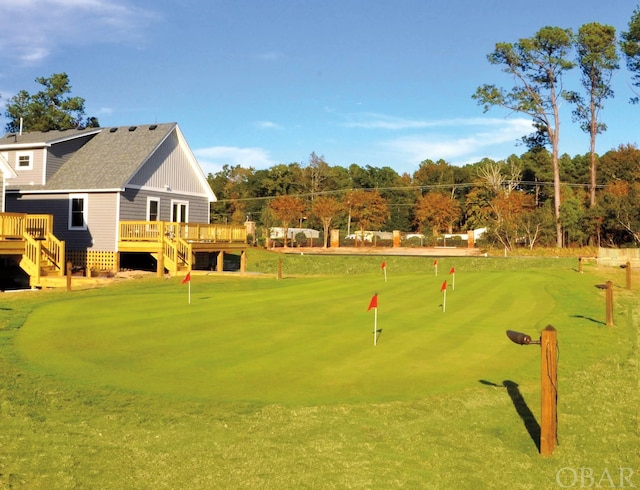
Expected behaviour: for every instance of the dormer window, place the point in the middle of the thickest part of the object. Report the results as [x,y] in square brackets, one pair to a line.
[24,160]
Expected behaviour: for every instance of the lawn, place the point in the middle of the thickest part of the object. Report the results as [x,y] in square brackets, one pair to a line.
[266,383]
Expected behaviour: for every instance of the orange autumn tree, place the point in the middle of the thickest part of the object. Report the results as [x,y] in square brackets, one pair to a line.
[513,214]
[325,209]
[438,211]
[287,209]
[367,208]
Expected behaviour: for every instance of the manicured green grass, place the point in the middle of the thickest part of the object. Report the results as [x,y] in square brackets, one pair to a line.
[265,383]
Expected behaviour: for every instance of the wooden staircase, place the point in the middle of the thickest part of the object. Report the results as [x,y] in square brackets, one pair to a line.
[30,239]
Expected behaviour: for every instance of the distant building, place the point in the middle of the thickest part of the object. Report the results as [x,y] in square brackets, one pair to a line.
[277,233]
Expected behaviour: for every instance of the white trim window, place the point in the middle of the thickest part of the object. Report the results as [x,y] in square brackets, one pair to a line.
[179,211]
[153,209]
[78,211]
[24,160]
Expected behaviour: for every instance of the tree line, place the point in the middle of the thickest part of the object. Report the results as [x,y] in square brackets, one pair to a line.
[512,198]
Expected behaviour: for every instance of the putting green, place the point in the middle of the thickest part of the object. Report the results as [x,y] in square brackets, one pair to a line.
[300,340]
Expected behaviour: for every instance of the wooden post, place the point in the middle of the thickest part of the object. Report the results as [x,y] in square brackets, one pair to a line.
[243,261]
[628,275]
[335,238]
[549,391]
[396,238]
[609,304]
[69,270]
[160,261]
[279,268]
[220,264]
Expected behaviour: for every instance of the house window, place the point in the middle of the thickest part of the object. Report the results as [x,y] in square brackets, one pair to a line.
[24,160]
[179,211]
[153,209]
[78,211]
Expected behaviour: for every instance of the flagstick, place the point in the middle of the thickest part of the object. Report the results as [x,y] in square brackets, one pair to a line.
[444,301]
[189,290]
[385,274]
[436,266]
[375,325]
[453,281]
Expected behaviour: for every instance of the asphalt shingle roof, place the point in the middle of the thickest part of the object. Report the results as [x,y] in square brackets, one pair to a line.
[107,161]
[42,138]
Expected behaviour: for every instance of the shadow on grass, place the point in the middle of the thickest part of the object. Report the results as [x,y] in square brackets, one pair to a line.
[522,409]
[599,322]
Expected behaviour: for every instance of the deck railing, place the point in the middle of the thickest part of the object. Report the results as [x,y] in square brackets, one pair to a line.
[14,225]
[11,225]
[155,231]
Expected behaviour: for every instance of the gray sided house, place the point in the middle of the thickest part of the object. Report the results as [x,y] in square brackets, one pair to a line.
[93,180]
[6,173]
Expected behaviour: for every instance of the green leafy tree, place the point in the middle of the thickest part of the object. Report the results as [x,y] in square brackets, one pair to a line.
[630,45]
[231,188]
[598,60]
[278,180]
[47,109]
[434,174]
[574,216]
[537,65]
[620,164]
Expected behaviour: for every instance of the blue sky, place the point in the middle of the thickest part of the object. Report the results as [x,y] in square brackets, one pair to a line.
[263,82]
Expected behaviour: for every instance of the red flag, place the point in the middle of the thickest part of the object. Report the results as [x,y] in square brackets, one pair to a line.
[374,302]
[384,265]
[435,262]
[452,271]
[444,286]
[187,278]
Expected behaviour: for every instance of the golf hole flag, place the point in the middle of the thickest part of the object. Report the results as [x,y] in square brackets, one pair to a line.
[452,272]
[374,304]
[443,288]
[384,269]
[187,280]
[435,266]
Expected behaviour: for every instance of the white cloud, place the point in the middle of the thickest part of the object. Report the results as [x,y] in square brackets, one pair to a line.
[212,159]
[459,140]
[271,56]
[33,29]
[267,125]
[372,120]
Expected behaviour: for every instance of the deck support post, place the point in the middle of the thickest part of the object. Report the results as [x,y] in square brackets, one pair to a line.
[160,263]
[243,260]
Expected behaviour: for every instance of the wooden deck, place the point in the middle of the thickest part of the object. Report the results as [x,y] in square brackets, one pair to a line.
[29,240]
[175,245]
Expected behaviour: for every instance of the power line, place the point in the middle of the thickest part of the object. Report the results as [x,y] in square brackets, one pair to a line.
[410,188]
